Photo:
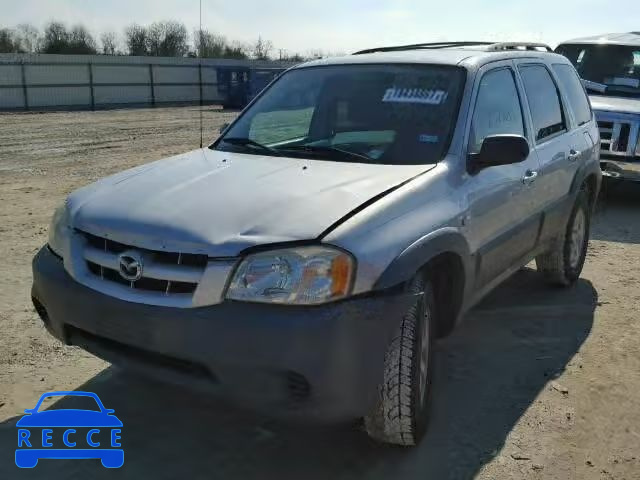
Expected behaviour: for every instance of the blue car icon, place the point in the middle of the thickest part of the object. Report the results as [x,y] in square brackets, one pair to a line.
[36,432]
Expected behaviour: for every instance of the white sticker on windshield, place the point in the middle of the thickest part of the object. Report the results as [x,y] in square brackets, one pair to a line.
[624,82]
[415,95]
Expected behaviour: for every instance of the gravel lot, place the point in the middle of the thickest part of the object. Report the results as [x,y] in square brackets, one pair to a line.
[537,383]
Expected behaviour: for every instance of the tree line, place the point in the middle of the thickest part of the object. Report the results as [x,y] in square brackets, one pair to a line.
[164,39]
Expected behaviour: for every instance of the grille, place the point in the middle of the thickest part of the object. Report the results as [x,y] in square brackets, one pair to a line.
[617,138]
[165,272]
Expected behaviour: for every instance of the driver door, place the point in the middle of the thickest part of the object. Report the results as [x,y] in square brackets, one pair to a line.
[501,225]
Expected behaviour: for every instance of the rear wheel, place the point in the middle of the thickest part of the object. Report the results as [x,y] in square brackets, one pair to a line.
[563,264]
[401,413]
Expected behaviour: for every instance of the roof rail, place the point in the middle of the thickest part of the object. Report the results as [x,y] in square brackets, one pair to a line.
[419,46]
[519,46]
[490,46]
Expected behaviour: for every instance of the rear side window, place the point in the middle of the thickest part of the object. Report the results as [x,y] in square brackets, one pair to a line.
[544,101]
[575,93]
[498,109]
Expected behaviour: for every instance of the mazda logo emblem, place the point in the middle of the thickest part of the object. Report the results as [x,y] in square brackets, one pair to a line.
[130,264]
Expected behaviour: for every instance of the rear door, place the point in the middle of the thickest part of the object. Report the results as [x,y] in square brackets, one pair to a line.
[576,101]
[501,225]
[558,145]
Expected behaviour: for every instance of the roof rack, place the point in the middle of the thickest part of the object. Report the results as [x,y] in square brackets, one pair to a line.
[490,46]
[419,46]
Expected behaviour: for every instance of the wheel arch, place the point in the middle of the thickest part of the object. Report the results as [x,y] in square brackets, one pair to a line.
[590,176]
[444,255]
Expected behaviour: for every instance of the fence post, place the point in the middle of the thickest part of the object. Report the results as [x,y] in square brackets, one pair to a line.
[153,93]
[24,86]
[93,100]
[200,78]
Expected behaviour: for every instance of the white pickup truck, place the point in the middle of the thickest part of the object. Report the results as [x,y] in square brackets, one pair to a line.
[610,67]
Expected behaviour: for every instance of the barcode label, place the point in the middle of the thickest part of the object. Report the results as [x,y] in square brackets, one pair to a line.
[415,95]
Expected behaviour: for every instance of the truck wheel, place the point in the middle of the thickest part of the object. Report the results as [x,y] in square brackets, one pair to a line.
[401,414]
[563,264]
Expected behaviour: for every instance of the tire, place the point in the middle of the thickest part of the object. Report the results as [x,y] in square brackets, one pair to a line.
[402,410]
[563,264]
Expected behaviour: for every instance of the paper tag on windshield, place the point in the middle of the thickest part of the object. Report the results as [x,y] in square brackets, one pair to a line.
[415,95]
[624,82]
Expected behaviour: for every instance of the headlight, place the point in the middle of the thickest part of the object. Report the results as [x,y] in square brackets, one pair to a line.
[59,230]
[299,276]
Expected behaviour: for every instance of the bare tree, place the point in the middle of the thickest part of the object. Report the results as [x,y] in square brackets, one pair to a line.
[109,41]
[236,50]
[8,43]
[136,40]
[167,39]
[261,49]
[28,37]
[285,55]
[81,41]
[55,38]
[209,45]
[319,53]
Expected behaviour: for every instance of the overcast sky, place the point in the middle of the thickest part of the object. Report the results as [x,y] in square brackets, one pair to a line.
[346,25]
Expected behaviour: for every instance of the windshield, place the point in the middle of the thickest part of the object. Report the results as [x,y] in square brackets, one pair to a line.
[615,67]
[386,114]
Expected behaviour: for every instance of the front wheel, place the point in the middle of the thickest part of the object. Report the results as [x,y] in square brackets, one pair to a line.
[401,413]
[563,264]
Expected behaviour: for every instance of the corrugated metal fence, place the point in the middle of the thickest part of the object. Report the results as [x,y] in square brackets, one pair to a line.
[40,82]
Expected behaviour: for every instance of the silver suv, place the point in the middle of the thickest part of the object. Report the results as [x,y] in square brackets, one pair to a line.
[306,261]
[610,67]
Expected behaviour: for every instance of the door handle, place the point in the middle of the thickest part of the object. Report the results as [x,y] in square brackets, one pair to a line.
[573,155]
[529,177]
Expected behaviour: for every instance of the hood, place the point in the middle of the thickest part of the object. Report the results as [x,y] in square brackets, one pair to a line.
[220,203]
[615,104]
[69,418]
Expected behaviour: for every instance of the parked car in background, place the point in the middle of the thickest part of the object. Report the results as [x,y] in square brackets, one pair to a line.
[240,85]
[610,67]
[305,262]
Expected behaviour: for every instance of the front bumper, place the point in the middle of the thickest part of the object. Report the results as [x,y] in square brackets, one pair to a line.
[322,362]
[622,170]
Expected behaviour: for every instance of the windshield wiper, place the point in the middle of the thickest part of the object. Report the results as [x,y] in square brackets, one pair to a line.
[247,142]
[333,151]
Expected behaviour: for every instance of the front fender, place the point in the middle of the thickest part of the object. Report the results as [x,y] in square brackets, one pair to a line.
[416,255]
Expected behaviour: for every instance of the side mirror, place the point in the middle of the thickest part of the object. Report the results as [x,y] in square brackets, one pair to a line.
[223,127]
[497,150]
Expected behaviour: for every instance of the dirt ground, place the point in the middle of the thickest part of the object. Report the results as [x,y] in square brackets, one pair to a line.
[538,383]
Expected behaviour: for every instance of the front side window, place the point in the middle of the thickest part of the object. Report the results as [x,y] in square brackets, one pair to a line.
[386,114]
[544,101]
[575,93]
[615,67]
[497,109]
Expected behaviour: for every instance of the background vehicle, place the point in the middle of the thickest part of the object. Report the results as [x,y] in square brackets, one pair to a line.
[352,214]
[610,66]
[241,85]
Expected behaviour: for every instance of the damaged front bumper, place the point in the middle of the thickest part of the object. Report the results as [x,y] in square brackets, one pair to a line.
[323,362]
